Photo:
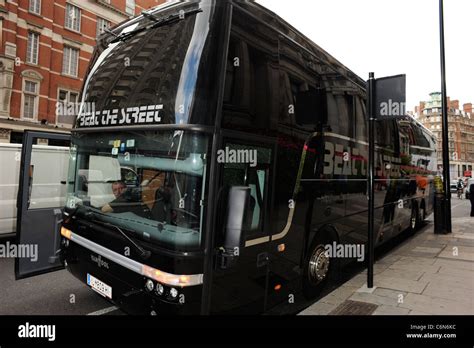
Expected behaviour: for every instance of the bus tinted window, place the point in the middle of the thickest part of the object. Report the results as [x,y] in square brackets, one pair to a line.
[385,134]
[361,119]
[251,75]
[341,116]
[171,66]
[254,175]
[302,100]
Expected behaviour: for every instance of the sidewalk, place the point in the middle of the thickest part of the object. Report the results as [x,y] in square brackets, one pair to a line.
[427,274]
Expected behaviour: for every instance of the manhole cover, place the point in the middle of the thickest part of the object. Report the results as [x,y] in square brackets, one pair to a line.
[349,307]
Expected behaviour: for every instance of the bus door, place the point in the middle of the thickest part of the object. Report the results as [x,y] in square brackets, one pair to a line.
[240,287]
[41,198]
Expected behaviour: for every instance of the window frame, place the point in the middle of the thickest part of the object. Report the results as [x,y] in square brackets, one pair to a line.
[35,8]
[31,45]
[68,20]
[130,7]
[35,95]
[99,27]
[68,95]
[68,72]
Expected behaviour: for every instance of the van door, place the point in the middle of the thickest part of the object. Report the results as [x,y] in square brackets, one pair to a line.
[41,198]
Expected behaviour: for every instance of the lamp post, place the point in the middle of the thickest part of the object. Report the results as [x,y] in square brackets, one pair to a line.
[444,106]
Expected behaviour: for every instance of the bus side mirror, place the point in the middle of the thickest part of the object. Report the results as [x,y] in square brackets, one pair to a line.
[236,218]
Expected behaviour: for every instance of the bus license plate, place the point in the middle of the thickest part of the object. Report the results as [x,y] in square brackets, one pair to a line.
[98,286]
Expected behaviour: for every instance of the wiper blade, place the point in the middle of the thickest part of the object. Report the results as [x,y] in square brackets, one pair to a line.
[157,23]
[150,16]
[143,253]
[108,31]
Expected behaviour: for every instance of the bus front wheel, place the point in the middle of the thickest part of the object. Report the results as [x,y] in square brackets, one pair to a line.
[319,266]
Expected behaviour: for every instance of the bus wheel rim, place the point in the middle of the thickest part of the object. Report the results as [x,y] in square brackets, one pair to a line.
[413,219]
[318,264]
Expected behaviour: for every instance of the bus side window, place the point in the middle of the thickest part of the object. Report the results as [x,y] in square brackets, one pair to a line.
[361,119]
[385,134]
[341,113]
[310,108]
[302,100]
[251,86]
[255,177]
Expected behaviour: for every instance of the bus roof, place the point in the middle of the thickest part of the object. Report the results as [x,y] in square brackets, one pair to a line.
[284,28]
[277,23]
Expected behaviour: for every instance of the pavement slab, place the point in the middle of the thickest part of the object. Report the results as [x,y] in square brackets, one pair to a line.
[428,274]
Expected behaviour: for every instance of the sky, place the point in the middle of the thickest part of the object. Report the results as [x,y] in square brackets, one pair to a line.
[391,37]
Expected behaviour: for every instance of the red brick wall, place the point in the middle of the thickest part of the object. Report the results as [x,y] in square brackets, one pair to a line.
[146,4]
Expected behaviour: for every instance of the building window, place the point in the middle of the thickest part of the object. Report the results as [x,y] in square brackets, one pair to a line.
[30,100]
[102,24]
[67,104]
[130,7]
[67,96]
[73,17]
[70,61]
[35,6]
[32,48]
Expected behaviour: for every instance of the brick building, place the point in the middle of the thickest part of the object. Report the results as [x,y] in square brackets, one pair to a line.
[45,49]
[460,132]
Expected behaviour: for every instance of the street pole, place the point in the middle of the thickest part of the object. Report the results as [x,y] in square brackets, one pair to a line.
[446,174]
[370,180]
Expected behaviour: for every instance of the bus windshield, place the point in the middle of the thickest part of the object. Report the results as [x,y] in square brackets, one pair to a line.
[151,183]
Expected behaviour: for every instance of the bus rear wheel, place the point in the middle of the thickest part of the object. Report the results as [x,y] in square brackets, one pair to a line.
[421,217]
[414,219]
[318,267]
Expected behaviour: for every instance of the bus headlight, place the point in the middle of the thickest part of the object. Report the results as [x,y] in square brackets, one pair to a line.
[149,285]
[173,293]
[160,289]
[66,233]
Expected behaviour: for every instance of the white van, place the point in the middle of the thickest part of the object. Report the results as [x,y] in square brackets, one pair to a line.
[46,191]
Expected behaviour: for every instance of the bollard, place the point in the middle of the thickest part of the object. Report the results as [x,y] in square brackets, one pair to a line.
[440,223]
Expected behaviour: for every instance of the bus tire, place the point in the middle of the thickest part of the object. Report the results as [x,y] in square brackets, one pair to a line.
[421,216]
[318,266]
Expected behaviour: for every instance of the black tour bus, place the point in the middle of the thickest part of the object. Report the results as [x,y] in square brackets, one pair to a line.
[217,153]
